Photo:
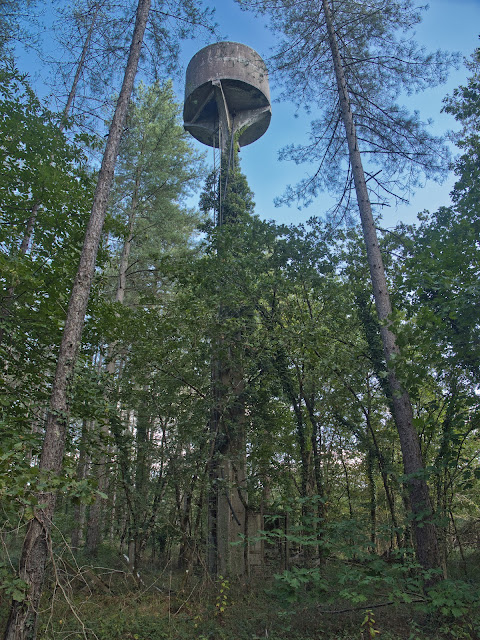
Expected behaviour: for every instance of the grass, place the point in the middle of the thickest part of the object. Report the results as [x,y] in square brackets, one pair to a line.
[251,612]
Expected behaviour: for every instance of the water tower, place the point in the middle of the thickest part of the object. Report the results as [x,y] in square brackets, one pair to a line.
[227,100]
[226,92]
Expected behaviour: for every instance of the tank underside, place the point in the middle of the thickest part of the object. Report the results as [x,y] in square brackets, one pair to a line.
[229,81]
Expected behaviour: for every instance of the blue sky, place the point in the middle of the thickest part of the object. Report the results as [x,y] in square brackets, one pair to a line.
[452,25]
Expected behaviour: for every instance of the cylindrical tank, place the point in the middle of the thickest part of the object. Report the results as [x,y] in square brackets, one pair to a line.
[244,83]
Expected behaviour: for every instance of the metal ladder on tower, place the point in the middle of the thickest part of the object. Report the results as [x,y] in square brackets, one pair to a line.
[217,182]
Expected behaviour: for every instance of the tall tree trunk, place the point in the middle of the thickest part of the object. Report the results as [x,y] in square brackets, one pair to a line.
[94,525]
[125,257]
[93,537]
[424,529]
[373,499]
[443,503]
[27,236]
[185,522]
[213,473]
[304,435]
[317,454]
[347,484]
[79,511]
[142,472]
[372,329]
[80,65]
[22,622]
[318,468]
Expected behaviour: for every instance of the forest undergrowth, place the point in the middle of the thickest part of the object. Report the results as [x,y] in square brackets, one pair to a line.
[343,599]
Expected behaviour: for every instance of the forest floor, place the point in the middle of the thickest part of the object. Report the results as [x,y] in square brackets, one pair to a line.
[99,603]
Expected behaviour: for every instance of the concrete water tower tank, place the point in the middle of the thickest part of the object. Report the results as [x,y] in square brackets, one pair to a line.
[226,92]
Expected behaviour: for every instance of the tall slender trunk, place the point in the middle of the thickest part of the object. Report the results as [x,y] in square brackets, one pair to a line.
[318,469]
[375,451]
[424,529]
[213,472]
[317,453]
[142,472]
[125,257]
[27,236]
[443,499]
[347,484]
[95,521]
[184,504]
[79,511]
[373,499]
[307,472]
[22,622]
[304,434]
[372,328]
[78,72]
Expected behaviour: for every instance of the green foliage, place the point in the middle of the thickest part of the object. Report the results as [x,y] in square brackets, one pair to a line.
[451,599]
[292,584]
[252,615]
[228,190]
[156,170]
[368,626]
[39,167]
[21,481]
[355,574]
[45,200]
[18,478]
[441,259]
[440,262]
[464,104]
[222,599]
[11,586]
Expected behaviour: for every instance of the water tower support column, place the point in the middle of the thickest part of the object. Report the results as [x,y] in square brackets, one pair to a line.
[227,94]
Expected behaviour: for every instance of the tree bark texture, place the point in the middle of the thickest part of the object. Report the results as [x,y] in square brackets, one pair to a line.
[22,622]
[424,530]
